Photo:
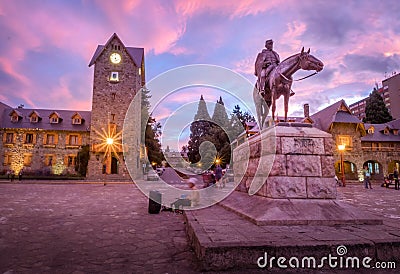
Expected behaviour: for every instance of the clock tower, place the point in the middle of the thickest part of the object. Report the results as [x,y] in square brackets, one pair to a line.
[118,76]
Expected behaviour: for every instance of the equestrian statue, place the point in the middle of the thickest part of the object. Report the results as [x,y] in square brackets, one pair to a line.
[274,78]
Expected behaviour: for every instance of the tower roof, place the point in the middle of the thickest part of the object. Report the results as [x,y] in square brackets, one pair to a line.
[137,54]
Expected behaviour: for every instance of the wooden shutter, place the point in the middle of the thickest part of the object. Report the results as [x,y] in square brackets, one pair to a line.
[14,138]
[67,139]
[66,160]
[34,138]
[79,139]
[4,137]
[56,139]
[44,139]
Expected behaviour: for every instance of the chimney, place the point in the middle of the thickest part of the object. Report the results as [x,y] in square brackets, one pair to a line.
[306,110]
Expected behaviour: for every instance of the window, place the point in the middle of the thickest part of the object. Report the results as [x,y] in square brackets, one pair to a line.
[71,161]
[34,119]
[27,159]
[113,94]
[7,159]
[29,138]
[73,140]
[371,130]
[76,121]
[50,139]
[114,76]
[376,168]
[54,120]
[140,71]
[48,161]
[14,118]
[345,140]
[9,138]
[112,116]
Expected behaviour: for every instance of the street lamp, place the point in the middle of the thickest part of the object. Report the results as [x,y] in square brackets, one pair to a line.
[341,149]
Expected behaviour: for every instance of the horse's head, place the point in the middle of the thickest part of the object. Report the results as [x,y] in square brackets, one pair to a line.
[309,62]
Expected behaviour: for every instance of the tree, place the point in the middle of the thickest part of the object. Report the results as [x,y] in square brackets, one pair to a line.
[239,119]
[199,128]
[152,133]
[82,160]
[243,117]
[376,111]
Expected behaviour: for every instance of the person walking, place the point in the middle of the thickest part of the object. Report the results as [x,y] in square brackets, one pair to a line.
[367,177]
[218,175]
[396,179]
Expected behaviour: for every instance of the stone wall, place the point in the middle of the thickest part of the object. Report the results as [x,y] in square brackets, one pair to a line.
[109,106]
[287,162]
[38,150]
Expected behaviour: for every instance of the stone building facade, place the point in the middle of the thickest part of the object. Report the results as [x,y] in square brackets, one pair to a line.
[45,141]
[118,76]
[41,141]
[374,145]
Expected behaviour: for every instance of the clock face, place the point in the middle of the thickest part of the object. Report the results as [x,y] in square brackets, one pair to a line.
[115,58]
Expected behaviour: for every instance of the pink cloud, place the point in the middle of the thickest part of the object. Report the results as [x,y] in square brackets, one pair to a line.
[237,9]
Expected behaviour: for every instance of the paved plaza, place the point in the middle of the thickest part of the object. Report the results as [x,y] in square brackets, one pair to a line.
[92,228]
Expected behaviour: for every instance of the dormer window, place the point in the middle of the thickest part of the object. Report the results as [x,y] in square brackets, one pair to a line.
[14,118]
[114,77]
[55,118]
[386,131]
[76,121]
[395,131]
[34,117]
[371,130]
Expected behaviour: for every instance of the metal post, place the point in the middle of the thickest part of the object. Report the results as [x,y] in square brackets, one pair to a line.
[342,166]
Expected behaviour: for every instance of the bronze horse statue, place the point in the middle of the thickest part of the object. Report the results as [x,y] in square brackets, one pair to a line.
[280,82]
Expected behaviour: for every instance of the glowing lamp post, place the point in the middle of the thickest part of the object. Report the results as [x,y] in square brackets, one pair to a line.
[109,141]
[341,150]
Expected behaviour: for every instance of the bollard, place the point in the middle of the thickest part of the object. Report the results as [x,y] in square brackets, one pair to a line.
[154,202]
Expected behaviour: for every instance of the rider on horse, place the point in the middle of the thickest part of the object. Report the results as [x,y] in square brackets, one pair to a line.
[266,61]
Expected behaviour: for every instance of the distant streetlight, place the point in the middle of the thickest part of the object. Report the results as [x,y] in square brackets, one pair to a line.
[341,149]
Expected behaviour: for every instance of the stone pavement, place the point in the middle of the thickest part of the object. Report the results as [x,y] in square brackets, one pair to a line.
[91,228]
[88,228]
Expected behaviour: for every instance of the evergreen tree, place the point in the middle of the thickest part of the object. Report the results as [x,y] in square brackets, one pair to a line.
[82,160]
[376,111]
[243,117]
[221,132]
[198,129]
[152,133]
[239,119]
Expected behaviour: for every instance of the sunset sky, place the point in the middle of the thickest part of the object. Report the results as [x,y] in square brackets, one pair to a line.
[46,46]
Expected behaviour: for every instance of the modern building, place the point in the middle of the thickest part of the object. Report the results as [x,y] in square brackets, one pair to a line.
[391,87]
[390,92]
[48,140]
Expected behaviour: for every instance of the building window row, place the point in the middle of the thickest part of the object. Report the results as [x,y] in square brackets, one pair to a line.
[49,139]
[49,159]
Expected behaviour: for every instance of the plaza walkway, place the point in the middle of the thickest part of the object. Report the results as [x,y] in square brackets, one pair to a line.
[91,228]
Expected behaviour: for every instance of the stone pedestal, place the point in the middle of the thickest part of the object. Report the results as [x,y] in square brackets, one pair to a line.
[290,161]
[292,167]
